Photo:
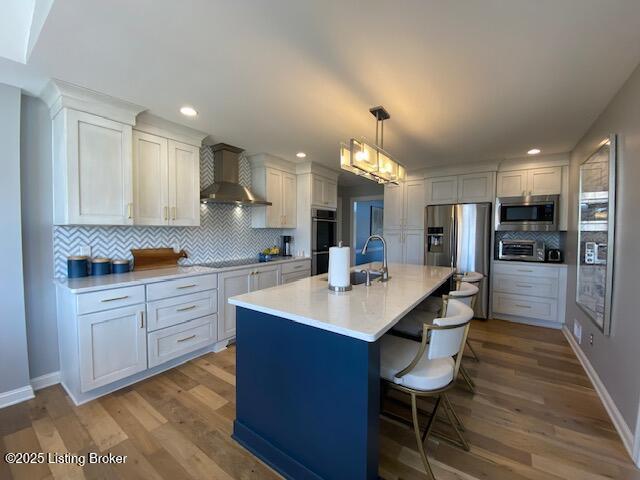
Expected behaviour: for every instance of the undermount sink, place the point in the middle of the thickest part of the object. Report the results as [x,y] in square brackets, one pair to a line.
[358,278]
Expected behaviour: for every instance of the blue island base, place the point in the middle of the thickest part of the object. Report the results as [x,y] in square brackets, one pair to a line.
[308,400]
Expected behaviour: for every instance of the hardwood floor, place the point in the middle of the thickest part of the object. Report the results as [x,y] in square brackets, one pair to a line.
[535,416]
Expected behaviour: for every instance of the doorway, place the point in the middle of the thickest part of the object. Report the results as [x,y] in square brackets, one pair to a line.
[367,215]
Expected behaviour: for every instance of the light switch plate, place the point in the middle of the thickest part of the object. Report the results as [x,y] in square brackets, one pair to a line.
[85,250]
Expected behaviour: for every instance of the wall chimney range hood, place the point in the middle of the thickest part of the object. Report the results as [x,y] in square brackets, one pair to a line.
[225,188]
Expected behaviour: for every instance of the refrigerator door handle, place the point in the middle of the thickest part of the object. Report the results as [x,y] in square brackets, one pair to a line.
[452,239]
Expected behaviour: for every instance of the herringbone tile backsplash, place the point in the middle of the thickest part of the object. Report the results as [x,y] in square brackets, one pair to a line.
[224,233]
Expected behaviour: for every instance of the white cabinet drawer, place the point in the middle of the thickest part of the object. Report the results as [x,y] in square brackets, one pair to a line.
[175,310]
[292,277]
[532,270]
[526,285]
[296,266]
[181,286]
[109,299]
[175,341]
[531,307]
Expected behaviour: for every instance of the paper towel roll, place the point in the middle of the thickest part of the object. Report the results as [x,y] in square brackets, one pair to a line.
[339,261]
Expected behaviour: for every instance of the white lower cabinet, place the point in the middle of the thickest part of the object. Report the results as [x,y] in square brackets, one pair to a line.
[529,292]
[173,342]
[231,284]
[405,246]
[112,346]
[247,280]
[171,311]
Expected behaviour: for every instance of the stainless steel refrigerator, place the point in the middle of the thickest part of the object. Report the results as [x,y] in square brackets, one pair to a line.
[460,236]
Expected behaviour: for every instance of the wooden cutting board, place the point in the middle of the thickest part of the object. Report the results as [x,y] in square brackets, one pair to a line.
[149,258]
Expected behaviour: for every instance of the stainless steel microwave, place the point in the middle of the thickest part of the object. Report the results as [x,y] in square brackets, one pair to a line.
[534,213]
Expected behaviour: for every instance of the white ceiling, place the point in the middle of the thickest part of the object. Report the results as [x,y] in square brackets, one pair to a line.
[463,81]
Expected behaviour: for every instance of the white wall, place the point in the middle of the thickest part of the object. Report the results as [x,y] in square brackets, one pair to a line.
[37,232]
[615,358]
[14,365]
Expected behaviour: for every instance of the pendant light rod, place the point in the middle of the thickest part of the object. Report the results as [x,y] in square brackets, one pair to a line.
[381,115]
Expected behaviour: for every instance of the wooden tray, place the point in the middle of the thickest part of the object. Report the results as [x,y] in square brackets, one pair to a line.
[149,258]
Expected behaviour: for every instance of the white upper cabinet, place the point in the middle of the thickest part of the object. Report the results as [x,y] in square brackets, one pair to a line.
[106,175]
[289,199]
[442,190]
[278,187]
[92,170]
[324,192]
[476,187]
[535,181]
[468,188]
[150,172]
[393,206]
[545,181]
[166,181]
[184,184]
[404,205]
[414,204]
[512,184]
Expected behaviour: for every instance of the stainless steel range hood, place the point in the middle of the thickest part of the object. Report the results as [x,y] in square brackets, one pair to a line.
[225,188]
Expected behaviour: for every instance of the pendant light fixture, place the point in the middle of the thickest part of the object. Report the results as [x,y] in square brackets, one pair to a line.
[372,161]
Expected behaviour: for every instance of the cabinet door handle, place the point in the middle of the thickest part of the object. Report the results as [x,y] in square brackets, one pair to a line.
[141,319]
[166,213]
[522,306]
[184,309]
[114,299]
[187,338]
[186,286]
[528,271]
[521,285]
[129,210]
[173,213]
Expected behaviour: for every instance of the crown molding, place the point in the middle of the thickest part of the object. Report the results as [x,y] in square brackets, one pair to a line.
[149,123]
[59,94]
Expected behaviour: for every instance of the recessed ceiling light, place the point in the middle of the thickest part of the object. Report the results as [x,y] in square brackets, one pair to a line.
[534,151]
[301,154]
[188,111]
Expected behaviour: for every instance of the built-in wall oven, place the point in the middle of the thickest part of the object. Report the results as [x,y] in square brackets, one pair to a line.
[323,236]
[536,213]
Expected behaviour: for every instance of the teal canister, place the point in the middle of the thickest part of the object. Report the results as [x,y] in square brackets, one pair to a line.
[120,266]
[77,266]
[100,266]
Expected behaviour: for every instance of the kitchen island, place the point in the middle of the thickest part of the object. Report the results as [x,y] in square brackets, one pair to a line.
[308,370]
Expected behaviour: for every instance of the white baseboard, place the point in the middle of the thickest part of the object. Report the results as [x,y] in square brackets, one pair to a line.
[616,417]
[528,321]
[44,381]
[16,396]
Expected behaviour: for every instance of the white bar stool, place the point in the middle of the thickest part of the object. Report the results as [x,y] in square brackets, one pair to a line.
[428,369]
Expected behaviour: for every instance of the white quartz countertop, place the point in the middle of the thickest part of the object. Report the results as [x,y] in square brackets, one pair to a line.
[142,277]
[365,313]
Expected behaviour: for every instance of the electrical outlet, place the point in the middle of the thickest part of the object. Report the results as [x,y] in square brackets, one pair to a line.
[85,250]
[591,339]
[577,331]
[176,248]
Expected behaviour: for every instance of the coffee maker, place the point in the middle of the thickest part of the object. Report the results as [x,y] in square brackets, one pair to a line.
[285,251]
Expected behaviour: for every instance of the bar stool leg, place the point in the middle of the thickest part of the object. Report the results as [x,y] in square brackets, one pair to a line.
[421,437]
[453,412]
[473,352]
[467,378]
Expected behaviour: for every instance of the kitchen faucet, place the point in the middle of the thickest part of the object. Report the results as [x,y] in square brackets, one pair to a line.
[384,271]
